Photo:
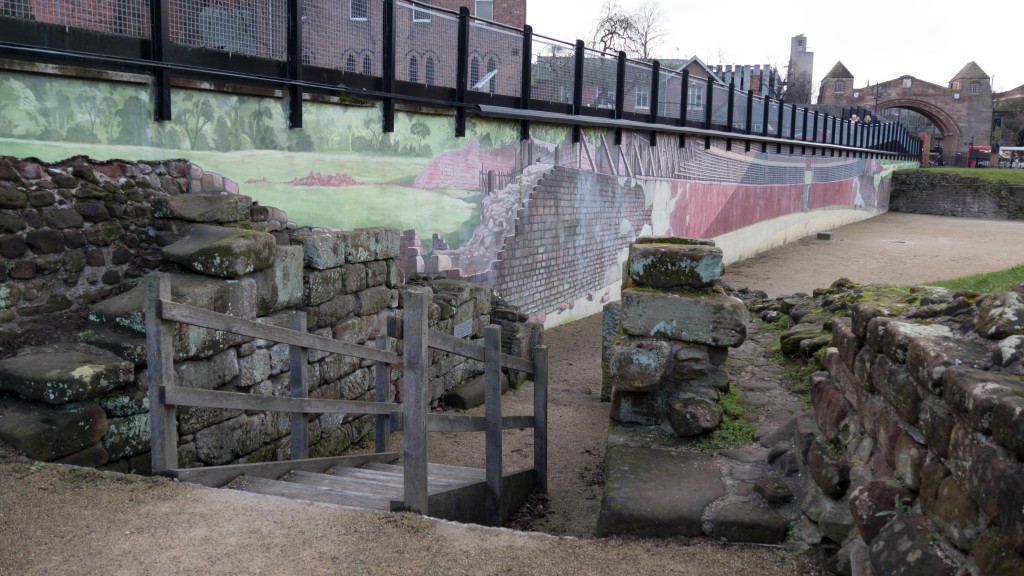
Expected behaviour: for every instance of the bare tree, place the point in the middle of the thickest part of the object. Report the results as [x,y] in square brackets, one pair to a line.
[636,32]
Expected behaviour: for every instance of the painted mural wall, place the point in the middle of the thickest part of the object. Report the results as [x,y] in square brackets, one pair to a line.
[546,222]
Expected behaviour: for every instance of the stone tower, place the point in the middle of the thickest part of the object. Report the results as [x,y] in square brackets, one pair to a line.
[801,70]
[836,85]
[972,84]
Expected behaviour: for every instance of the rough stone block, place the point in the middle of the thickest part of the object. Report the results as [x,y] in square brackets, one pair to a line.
[471,394]
[650,492]
[875,333]
[829,469]
[899,335]
[46,433]
[321,249]
[223,252]
[745,522]
[672,264]
[62,373]
[908,460]
[127,437]
[1001,316]
[862,366]
[609,330]
[208,374]
[936,423]
[281,285]
[836,523]
[1010,350]
[637,407]
[844,340]
[797,339]
[994,554]
[862,313]
[830,408]
[367,244]
[692,415]
[974,394]
[903,548]
[1008,424]
[203,208]
[874,504]
[319,286]
[373,300]
[928,358]
[713,319]
[338,308]
[977,465]
[893,382]
[637,365]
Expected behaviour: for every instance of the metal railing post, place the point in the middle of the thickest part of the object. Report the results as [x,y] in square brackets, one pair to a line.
[295,9]
[684,106]
[462,72]
[388,67]
[655,84]
[620,96]
[577,89]
[748,129]
[730,110]
[525,85]
[158,47]
[709,104]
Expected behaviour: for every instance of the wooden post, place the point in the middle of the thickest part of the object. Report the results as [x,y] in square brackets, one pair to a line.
[299,388]
[540,418]
[416,358]
[492,410]
[382,383]
[160,360]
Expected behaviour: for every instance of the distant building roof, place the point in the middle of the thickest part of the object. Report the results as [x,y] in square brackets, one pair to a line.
[970,72]
[839,71]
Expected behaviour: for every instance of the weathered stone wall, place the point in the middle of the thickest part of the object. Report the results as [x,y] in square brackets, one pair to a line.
[928,192]
[915,453]
[84,402]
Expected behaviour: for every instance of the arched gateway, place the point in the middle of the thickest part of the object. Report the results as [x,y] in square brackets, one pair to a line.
[962,111]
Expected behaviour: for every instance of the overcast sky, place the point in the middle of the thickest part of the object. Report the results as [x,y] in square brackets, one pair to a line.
[876,40]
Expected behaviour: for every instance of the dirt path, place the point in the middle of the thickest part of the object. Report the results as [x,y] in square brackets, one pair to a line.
[61,520]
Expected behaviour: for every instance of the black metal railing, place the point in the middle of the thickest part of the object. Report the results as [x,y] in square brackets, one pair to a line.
[409,51]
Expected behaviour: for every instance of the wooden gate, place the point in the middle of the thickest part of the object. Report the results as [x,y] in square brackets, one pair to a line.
[498,490]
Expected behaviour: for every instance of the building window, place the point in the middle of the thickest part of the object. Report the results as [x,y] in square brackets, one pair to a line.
[956,85]
[840,87]
[490,68]
[359,9]
[430,71]
[350,63]
[974,88]
[367,65]
[414,69]
[485,9]
[421,15]
[695,97]
[642,98]
[474,72]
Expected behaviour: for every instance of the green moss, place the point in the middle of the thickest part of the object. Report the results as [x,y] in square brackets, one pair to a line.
[734,431]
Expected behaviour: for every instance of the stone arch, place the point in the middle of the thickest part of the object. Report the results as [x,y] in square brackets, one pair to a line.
[942,120]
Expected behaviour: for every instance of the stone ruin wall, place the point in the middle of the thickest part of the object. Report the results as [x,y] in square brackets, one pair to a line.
[942,194]
[916,449]
[78,234]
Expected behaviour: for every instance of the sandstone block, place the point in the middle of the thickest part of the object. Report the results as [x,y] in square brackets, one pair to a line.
[127,437]
[637,365]
[876,503]
[319,286]
[745,522]
[1001,316]
[829,469]
[899,334]
[908,460]
[637,407]
[281,285]
[936,423]
[367,244]
[712,319]
[62,373]
[223,252]
[893,382]
[994,554]
[977,465]
[1008,424]
[672,264]
[844,340]
[203,208]
[830,408]
[693,415]
[875,332]
[47,433]
[974,394]
[928,358]
[862,313]
[903,548]
[321,249]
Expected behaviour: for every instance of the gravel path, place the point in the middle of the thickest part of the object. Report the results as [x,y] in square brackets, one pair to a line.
[63,520]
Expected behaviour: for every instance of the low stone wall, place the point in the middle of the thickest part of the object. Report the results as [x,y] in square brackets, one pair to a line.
[918,436]
[84,402]
[929,192]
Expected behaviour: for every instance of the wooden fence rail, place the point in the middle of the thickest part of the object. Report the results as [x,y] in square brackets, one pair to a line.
[165,396]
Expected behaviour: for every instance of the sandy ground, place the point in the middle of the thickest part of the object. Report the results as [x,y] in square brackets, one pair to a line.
[64,520]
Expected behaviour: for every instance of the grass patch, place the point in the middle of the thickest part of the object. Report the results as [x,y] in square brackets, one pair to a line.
[989,174]
[734,431]
[999,281]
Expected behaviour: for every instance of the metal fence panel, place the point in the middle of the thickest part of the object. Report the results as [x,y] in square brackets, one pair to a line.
[251,27]
[343,35]
[426,45]
[599,78]
[739,115]
[121,17]
[720,114]
[637,91]
[670,94]
[554,70]
[495,60]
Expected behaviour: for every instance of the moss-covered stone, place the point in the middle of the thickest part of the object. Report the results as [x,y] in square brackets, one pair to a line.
[223,252]
[671,266]
[62,373]
[47,433]
[203,208]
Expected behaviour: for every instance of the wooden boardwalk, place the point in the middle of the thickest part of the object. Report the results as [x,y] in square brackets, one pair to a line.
[373,481]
